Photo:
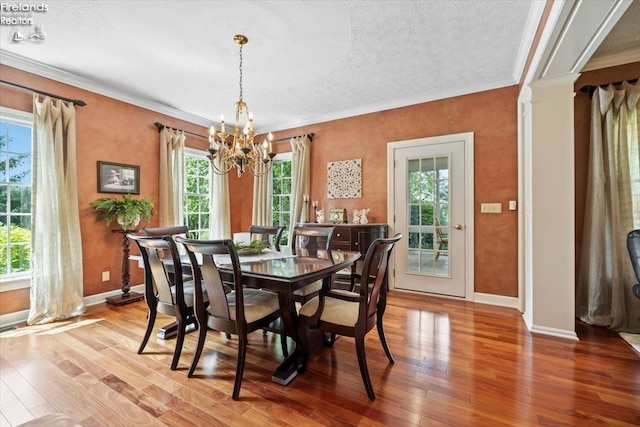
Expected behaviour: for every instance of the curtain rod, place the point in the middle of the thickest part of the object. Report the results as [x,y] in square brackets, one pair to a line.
[78,102]
[160,126]
[591,88]
[287,138]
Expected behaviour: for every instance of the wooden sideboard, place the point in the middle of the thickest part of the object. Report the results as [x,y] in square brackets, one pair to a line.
[353,237]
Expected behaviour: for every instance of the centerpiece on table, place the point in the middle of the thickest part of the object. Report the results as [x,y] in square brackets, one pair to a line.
[125,210]
[254,248]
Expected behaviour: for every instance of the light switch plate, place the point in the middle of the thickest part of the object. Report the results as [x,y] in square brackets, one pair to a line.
[490,207]
[513,205]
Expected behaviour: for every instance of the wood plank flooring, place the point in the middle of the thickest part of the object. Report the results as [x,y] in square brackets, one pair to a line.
[457,364]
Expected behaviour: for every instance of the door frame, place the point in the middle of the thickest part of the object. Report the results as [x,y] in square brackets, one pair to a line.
[469,205]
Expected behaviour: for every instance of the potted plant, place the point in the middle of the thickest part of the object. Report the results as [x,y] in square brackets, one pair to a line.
[125,210]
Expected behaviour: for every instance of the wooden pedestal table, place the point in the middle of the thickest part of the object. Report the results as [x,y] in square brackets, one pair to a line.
[126,296]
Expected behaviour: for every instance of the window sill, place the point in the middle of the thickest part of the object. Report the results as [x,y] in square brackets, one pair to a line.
[11,283]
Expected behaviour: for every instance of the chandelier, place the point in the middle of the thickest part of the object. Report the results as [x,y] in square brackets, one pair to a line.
[240,152]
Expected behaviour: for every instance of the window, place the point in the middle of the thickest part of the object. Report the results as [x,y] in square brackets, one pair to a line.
[197,176]
[15,198]
[281,194]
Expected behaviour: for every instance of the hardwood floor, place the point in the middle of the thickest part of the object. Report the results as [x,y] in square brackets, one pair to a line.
[457,364]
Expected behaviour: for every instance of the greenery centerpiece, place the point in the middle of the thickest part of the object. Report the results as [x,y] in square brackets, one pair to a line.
[253,248]
[126,210]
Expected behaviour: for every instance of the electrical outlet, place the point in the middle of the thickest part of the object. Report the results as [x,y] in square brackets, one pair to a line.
[513,205]
[490,207]
[106,276]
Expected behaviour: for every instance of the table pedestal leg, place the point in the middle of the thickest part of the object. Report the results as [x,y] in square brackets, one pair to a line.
[126,296]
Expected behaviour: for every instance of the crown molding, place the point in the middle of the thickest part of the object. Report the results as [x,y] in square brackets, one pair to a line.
[53,73]
[612,60]
[529,34]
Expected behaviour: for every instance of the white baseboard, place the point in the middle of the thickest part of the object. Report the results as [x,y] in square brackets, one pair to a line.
[553,332]
[499,300]
[21,316]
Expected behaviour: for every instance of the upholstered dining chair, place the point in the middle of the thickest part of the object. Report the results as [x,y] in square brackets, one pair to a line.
[354,314]
[271,236]
[165,292]
[240,312]
[311,239]
[633,245]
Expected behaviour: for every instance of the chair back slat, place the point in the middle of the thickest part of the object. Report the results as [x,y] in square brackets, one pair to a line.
[158,269]
[312,239]
[269,235]
[374,270]
[210,276]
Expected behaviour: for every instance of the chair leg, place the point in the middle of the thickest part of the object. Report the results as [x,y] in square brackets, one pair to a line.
[242,353]
[383,340]
[362,361]
[151,320]
[179,343]
[202,335]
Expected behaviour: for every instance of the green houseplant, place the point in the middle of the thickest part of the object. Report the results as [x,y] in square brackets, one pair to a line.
[126,210]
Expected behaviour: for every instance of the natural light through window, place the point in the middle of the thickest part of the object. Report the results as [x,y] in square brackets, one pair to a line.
[197,175]
[15,196]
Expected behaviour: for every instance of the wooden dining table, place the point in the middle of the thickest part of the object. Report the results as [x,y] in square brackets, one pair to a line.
[284,276]
[284,273]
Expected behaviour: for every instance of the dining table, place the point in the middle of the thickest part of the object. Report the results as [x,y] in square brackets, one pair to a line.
[284,272]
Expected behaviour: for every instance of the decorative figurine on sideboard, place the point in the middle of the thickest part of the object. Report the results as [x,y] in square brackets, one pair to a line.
[363,216]
[319,216]
[356,216]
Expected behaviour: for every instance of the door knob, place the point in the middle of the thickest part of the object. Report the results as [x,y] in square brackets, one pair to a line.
[458,226]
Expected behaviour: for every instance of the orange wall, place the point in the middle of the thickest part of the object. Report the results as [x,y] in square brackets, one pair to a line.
[115,131]
[109,130]
[491,115]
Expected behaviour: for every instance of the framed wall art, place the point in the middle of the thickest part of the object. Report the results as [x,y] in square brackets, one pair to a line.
[344,179]
[118,178]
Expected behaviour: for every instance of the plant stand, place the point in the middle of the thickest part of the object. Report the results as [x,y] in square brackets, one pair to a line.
[126,296]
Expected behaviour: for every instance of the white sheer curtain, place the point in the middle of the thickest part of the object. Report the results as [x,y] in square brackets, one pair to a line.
[171,177]
[220,217]
[57,283]
[300,179]
[605,274]
[261,212]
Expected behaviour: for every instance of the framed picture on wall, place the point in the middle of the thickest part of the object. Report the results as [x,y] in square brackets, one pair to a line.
[118,178]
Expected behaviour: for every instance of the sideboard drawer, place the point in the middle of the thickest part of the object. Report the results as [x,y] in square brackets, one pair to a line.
[342,234]
[340,246]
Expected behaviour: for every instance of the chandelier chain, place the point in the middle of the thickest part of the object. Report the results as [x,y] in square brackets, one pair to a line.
[240,72]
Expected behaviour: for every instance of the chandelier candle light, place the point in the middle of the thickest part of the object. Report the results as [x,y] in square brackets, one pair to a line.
[240,153]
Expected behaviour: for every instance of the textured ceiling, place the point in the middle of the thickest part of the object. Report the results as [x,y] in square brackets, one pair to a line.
[306,61]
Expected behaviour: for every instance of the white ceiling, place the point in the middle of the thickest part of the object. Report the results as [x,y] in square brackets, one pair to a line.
[306,61]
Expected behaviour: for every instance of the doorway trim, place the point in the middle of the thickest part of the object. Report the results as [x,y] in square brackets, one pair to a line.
[469,204]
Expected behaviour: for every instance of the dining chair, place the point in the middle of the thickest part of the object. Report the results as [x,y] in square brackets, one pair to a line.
[270,235]
[164,292]
[633,245]
[173,231]
[353,314]
[311,239]
[240,312]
